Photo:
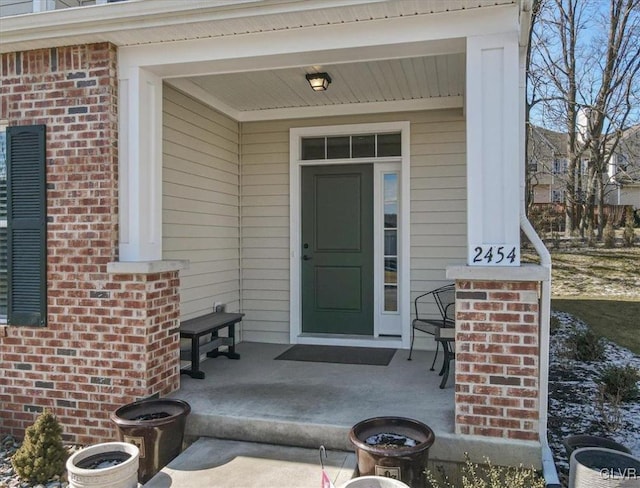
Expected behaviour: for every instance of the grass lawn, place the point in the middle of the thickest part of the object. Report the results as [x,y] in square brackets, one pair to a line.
[601,287]
[617,320]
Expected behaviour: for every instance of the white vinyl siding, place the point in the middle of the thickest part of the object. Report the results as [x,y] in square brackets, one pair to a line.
[15,7]
[201,202]
[18,7]
[438,210]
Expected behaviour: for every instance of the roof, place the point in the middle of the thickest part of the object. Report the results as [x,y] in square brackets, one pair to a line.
[555,142]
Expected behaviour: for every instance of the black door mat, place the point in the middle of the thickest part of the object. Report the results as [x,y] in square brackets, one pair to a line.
[338,354]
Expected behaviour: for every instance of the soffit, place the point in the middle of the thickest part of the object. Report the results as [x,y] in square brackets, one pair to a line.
[153,21]
[352,83]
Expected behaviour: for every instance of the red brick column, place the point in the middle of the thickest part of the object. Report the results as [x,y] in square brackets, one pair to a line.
[110,338]
[497,359]
[149,313]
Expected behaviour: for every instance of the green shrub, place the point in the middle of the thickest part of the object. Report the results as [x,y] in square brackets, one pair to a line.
[42,455]
[628,235]
[490,476]
[554,325]
[620,381]
[609,235]
[586,345]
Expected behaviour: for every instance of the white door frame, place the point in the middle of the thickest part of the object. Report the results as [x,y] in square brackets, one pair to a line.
[295,229]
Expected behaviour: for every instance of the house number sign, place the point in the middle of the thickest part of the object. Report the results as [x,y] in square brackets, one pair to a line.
[494,255]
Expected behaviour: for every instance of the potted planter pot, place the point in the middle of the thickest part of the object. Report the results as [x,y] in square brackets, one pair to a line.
[597,467]
[373,482]
[393,447]
[574,442]
[106,465]
[156,426]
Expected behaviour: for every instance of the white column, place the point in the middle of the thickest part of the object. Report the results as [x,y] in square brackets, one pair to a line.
[493,150]
[140,172]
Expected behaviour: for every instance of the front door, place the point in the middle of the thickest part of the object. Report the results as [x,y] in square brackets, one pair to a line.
[337,249]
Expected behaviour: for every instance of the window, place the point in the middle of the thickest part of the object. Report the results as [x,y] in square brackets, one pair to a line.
[23,206]
[584,166]
[557,196]
[390,281]
[350,147]
[622,162]
[559,166]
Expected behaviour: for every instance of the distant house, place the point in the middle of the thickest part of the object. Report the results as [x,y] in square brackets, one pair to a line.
[167,155]
[547,164]
[624,170]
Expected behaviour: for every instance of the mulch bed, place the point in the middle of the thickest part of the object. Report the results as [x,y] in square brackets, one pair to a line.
[573,395]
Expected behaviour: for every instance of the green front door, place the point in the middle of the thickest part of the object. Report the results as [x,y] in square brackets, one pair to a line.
[337,249]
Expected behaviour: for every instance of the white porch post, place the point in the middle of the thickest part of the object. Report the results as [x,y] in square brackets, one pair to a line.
[140,165]
[493,184]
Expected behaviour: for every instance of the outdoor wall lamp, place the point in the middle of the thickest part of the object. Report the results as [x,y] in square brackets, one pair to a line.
[319,81]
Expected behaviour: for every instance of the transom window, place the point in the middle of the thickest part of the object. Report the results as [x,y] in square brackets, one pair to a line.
[351,147]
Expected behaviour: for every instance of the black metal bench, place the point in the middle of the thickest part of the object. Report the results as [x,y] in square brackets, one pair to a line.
[198,327]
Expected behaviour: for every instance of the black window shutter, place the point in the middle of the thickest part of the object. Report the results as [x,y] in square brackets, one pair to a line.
[27,225]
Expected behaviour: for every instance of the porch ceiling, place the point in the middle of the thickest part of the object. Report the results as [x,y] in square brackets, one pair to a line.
[352,83]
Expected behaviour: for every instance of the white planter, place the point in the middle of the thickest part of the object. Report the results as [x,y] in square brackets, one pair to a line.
[123,475]
[374,482]
[597,467]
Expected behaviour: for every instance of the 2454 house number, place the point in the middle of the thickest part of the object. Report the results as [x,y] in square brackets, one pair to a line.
[495,255]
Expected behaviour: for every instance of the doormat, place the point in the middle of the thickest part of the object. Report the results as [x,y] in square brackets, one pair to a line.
[371,356]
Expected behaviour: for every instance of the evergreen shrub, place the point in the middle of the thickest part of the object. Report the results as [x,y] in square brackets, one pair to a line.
[42,455]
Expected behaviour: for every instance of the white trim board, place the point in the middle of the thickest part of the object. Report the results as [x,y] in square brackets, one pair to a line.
[295,205]
[436,103]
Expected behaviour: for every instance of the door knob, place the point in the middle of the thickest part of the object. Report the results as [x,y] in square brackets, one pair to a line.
[306,258]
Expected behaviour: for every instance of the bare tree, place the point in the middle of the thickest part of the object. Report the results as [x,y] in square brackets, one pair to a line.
[584,64]
[532,92]
[608,95]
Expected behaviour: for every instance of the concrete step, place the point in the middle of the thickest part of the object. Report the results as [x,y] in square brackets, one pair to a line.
[221,463]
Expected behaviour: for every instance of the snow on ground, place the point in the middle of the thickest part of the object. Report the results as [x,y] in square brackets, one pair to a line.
[573,395]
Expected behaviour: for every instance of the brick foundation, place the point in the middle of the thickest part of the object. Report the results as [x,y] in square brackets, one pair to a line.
[497,359]
[110,338]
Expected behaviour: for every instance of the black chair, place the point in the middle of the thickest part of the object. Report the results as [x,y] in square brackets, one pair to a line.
[444,298]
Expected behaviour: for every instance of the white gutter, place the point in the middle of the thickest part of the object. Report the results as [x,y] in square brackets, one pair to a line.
[548,466]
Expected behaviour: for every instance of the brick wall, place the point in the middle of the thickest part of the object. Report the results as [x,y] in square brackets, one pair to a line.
[497,359]
[110,338]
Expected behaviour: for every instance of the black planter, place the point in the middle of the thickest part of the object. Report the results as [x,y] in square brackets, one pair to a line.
[574,442]
[599,467]
[402,462]
[157,427]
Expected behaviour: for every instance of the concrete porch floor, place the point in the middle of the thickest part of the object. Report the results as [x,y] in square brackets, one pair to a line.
[277,408]
[307,404]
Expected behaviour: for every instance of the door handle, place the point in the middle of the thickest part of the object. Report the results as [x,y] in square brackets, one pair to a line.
[306,258]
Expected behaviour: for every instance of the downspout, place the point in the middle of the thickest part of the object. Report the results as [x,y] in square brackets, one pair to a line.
[548,466]
[240,226]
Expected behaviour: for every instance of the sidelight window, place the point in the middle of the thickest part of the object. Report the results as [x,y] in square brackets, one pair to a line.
[390,223]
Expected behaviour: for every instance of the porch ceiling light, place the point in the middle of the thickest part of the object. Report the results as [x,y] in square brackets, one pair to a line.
[319,81]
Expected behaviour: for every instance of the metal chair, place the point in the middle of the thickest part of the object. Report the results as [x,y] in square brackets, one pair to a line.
[444,298]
